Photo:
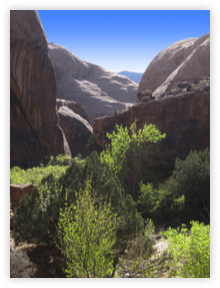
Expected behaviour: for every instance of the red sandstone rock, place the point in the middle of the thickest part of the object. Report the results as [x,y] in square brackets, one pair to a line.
[34,130]
[185,120]
[17,191]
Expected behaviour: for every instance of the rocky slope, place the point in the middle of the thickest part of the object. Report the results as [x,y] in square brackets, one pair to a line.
[99,91]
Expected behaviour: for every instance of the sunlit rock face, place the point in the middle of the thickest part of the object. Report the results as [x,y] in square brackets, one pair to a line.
[184,60]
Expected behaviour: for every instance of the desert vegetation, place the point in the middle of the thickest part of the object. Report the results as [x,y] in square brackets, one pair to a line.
[101,212]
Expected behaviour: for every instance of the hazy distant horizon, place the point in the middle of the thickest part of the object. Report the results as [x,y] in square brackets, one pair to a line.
[121,40]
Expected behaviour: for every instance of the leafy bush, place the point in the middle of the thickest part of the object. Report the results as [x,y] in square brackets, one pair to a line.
[186,195]
[190,255]
[17,175]
[105,183]
[160,205]
[88,234]
[37,215]
[121,160]
[60,160]
[28,220]
[142,244]
[191,180]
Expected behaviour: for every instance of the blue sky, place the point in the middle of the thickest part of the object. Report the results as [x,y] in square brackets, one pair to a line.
[122,40]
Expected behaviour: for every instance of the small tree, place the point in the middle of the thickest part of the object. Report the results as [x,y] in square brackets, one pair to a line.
[88,233]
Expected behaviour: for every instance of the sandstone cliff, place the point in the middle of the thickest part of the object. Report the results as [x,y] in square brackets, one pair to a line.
[34,129]
[184,118]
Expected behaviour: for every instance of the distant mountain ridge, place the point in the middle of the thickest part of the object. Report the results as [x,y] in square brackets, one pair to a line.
[135,77]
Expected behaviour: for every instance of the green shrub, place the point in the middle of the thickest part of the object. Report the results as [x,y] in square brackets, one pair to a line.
[37,215]
[142,244]
[60,160]
[191,180]
[186,195]
[82,227]
[28,222]
[132,158]
[160,205]
[190,254]
[105,183]
[17,175]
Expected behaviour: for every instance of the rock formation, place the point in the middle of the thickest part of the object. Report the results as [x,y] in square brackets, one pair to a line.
[77,130]
[99,91]
[184,118]
[34,129]
[75,107]
[185,60]
[17,191]
[143,94]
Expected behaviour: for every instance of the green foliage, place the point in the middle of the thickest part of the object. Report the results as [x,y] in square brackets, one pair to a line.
[38,216]
[34,175]
[190,254]
[160,205]
[132,154]
[106,184]
[185,195]
[191,180]
[17,175]
[88,234]
[60,160]
[142,244]
[28,220]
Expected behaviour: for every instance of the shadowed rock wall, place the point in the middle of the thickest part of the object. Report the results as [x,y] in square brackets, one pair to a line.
[34,128]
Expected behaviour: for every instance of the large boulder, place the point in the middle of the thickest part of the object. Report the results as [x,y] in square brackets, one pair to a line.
[184,60]
[17,191]
[34,129]
[77,130]
[185,119]
[143,94]
[75,107]
[99,91]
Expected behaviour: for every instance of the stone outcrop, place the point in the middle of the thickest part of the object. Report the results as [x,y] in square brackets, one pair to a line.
[146,99]
[196,86]
[184,118]
[193,85]
[182,61]
[34,129]
[99,91]
[75,107]
[143,95]
[78,131]
[17,191]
